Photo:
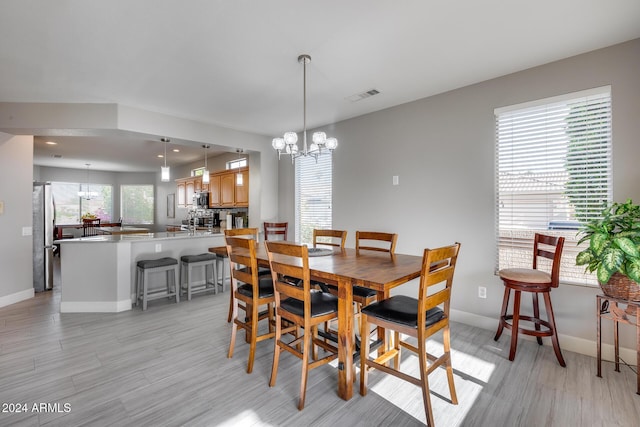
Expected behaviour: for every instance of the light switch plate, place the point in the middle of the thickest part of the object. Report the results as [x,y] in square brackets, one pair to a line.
[158,247]
[26,231]
[396,180]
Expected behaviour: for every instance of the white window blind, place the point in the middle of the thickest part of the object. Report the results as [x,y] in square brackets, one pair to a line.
[313,195]
[553,161]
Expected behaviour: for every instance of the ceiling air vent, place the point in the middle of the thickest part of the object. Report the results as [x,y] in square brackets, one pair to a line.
[360,96]
[57,156]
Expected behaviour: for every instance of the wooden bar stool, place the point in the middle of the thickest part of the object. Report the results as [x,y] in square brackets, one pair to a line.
[144,268]
[536,282]
[206,261]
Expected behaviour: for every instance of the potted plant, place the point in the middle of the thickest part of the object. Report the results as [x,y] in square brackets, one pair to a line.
[614,250]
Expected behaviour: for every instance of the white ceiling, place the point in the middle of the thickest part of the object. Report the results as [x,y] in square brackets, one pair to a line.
[234,63]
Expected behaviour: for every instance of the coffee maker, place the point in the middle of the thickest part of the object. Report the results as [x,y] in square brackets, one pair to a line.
[216,219]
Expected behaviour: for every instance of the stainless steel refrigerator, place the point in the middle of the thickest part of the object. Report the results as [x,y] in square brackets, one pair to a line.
[42,227]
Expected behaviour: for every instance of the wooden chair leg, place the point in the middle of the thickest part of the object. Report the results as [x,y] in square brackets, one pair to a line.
[252,338]
[306,348]
[276,351]
[552,322]
[364,356]
[536,314]
[515,325]
[446,338]
[424,380]
[503,313]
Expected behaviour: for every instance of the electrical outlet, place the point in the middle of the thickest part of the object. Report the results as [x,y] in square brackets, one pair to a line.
[482,292]
[158,247]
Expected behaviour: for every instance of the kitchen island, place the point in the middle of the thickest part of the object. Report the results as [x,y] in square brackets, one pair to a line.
[98,273]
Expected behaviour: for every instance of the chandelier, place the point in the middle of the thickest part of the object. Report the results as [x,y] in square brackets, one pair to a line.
[319,140]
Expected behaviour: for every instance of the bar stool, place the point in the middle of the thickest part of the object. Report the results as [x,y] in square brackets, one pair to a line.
[534,281]
[207,261]
[144,268]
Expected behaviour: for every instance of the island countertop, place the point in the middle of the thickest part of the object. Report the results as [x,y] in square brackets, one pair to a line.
[140,237]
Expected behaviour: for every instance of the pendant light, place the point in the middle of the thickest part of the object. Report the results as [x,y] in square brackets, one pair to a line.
[164,170]
[205,172]
[239,176]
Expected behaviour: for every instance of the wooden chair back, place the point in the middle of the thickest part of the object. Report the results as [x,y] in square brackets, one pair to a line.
[242,232]
[275,230]
[328,238]
[557,243]
[386,242]
[243,261]
[438,266]
[290,271]
[90,227]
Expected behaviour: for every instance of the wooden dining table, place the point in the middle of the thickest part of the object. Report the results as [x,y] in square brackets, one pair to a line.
[347,267]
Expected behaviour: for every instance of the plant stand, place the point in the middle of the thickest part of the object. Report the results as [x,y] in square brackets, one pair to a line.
[608,308]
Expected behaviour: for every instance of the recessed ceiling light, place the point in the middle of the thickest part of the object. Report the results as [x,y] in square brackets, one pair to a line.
[176,150]
[51,143]
[161,155]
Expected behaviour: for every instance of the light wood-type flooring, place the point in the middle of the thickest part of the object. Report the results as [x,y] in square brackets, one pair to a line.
[168,367]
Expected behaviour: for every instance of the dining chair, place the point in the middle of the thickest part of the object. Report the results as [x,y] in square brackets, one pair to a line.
[369,241]
[417,319]
[90,227]
[249,291]
[222,254]
[536,282]
[298,306]
[275,230]
[334,238]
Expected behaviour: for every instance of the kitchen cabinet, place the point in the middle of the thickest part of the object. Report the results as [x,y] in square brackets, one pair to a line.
[214,191]
[242,191]
[190,191]
[227,189]
[222,188]
[182,194]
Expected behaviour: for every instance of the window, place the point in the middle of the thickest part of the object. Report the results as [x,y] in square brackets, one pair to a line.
[313,195]
[72,200]
[236,164]
[136,204]
[553,160]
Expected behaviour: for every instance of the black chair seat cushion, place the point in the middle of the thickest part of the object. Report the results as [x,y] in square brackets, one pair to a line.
[402,309]
[321,303]
[265,288]
[154,263]
[358,291]
[198,258]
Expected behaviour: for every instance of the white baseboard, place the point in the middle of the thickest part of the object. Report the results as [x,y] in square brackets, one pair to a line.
[95,306]
[17,297]
[567,342]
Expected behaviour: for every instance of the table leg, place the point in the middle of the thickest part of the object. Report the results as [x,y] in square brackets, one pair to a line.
[616,343]
[599,337]
[345,339]
[638,349]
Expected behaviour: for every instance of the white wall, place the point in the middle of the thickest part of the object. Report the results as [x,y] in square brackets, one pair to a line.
[16,187]
[443,148]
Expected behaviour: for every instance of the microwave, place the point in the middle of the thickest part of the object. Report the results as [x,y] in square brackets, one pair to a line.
[201,200]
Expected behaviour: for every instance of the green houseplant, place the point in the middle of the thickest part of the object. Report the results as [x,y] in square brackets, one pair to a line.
[614,250]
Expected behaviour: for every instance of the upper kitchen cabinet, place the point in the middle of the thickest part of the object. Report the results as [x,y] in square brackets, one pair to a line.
[223,188]
[214,191]
[225,192]
[186,188]
[227,189]
[242,190]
